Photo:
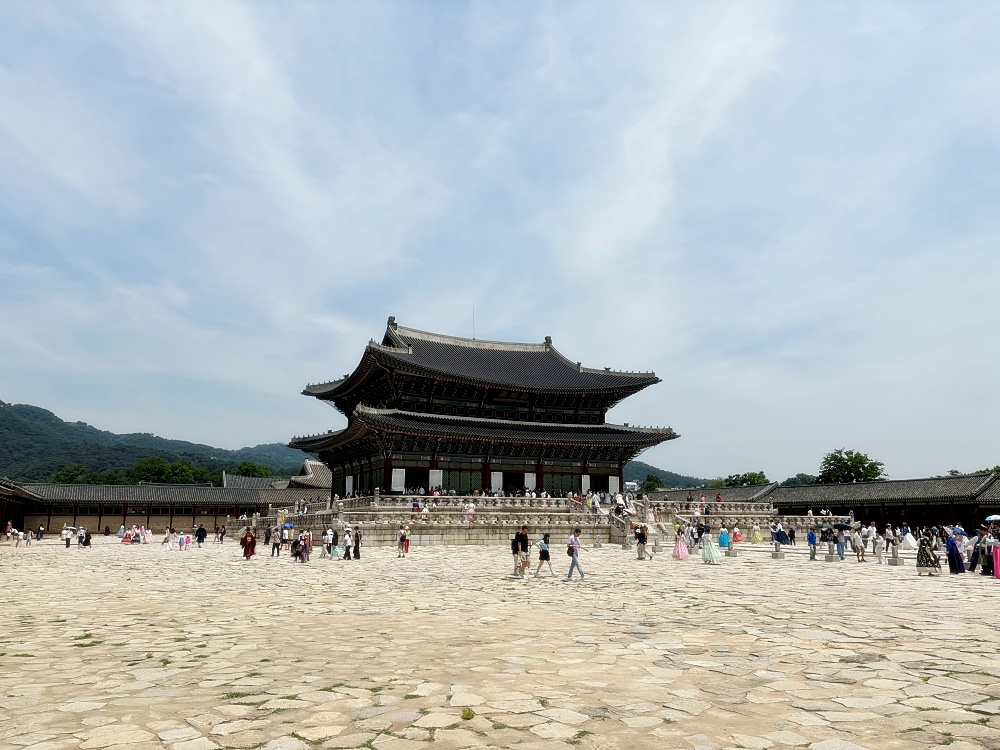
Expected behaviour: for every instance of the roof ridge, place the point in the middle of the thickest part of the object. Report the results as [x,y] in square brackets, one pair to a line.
[987,483]
[913,479]
[402,333]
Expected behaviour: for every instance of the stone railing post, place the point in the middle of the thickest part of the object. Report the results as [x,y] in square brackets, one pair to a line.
[777,554]
[831,556]
[894,558]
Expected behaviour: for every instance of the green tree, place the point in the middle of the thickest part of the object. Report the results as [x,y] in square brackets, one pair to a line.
[799,480]
[250,469]
[152,469]
[179,472]
[717,483]
[651,483]
[72,474]
[844,466]
[750,479]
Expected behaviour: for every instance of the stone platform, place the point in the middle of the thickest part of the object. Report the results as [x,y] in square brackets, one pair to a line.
[133,646]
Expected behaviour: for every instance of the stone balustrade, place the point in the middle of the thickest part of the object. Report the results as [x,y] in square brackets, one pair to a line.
[448,523]
[456,501]
[498,518]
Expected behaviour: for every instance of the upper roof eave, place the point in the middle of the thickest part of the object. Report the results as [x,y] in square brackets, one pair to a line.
[396,349]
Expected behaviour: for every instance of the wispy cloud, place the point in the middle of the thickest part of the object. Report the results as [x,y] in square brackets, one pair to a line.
[787,211]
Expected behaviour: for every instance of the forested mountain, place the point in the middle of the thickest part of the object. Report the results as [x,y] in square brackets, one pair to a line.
[636,471]
[35,443]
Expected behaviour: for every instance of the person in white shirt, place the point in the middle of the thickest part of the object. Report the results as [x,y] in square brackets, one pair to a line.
[859,546]
[327,544]
[574,547]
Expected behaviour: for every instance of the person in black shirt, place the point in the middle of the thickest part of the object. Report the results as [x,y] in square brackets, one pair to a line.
[519,547]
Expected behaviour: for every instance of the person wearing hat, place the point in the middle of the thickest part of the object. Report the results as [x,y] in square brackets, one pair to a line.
[406,541]
[348,541]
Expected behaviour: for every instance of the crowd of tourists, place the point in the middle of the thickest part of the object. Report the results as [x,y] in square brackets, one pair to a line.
[299,544]
[521,547]
[962,552]
[17,537]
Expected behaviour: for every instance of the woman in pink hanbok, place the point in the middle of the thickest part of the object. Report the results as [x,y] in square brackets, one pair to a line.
[680,546]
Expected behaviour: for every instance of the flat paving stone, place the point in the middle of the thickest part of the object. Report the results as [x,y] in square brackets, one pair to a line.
[388,653]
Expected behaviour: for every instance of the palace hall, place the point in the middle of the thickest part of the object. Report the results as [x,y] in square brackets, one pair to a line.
[429,410]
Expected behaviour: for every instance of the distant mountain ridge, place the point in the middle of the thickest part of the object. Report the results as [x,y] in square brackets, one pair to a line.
[636,471]
[35,443]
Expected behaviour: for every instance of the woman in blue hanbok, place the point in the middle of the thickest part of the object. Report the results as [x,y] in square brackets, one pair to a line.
[779,535]
[724,538]
[955,562]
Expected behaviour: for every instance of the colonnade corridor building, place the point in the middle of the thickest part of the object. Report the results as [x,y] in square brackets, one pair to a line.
[428,410]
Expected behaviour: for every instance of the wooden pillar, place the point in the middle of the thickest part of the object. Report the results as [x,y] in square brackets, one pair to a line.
[485,473]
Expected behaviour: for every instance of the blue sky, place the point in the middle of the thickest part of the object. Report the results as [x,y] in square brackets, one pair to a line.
[789,211]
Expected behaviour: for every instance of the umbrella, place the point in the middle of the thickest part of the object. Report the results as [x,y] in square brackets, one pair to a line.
[69,528]
[842,525]
[825,526]
[993,518]
[288,525]
[957,530]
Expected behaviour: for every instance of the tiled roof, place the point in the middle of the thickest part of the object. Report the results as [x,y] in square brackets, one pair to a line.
[314,474]
[253,483]
[891,491]
[13,489]
[991,494]
[524,366]
[496,430]
[179,494]
[729,494]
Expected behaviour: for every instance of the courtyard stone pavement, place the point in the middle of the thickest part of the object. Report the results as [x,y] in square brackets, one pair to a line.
[138,647]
